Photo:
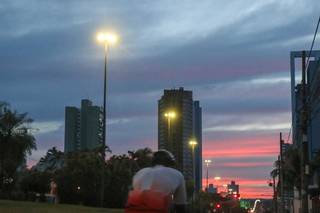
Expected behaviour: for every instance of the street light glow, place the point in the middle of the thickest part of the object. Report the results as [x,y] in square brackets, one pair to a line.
[193,143]
[107,38]
[207,161]
[170,114]
[217,178]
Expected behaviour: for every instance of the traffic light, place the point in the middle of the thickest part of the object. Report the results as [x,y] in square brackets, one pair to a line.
[218,206]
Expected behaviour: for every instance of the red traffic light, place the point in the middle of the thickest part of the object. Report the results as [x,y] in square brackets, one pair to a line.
[218,206]
[236,196]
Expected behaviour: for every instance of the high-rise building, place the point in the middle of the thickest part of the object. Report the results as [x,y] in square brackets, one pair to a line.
[312,97]
[233,188]
[179,121]
[83,127]
[197,132]
[305,93]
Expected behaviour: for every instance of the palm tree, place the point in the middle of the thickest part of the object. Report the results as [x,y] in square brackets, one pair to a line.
[51,162]
[16,142]
[292,170]
[274,174]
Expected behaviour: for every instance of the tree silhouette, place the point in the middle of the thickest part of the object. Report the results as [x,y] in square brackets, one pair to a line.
[16,142]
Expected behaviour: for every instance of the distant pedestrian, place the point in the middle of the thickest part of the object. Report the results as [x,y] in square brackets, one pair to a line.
[54,192]
[159,188]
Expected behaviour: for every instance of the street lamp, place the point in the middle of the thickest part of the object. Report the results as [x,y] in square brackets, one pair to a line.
[193,143]
[217,178]
[170,115]
[207,162]
[107,39]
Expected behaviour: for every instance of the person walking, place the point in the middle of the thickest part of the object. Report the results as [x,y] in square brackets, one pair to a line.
[159,188]
[54,192]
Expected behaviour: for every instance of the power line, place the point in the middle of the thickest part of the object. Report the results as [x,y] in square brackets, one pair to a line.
[314,73]
[288,139]
[314,38]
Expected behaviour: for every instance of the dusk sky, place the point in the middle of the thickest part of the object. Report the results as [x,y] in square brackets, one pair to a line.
[233,55]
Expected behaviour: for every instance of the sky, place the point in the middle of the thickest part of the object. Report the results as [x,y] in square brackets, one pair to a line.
[233,55]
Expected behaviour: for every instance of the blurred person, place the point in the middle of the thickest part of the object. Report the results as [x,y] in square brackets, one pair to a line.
[159,188]
[54,191]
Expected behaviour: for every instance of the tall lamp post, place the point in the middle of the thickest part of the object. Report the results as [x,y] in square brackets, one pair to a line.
[217,178]
[170,115]
[207,162]
[193,143]
[107,39]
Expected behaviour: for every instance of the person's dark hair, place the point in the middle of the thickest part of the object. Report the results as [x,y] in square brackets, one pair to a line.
[164,158]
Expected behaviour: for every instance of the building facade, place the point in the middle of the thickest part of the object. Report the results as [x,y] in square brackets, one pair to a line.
[197,132]
[312,122]
[312,98]
[175,132]
[233,188]
[83,127]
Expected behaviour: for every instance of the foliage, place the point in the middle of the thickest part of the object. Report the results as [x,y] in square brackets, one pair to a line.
[189,188]
[16,141]
[35,181]
[79,181]
[291,169]
[291,166]
[51,162]
[142,157]
[121,169]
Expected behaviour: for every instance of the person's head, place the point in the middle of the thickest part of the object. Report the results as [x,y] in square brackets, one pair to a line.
[164,158]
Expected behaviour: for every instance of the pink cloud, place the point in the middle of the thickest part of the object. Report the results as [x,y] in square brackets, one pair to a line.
[251,147]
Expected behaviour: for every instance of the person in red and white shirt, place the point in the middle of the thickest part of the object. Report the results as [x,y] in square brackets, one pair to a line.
[159,188]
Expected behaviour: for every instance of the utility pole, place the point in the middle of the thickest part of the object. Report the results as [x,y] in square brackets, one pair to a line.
[281,175]
[304,144]
[275,200]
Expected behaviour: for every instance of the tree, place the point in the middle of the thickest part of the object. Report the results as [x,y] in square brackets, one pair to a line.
[291,168]
[142,157]
[120,170]
[51,162]
[79,181]
[16,142]
[32,181]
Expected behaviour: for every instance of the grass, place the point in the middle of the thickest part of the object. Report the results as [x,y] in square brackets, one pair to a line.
[7,206]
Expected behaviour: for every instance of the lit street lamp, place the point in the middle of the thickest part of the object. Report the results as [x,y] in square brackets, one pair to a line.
[107,39]
[193,143]
[170,115]
[217,178]
[207,162]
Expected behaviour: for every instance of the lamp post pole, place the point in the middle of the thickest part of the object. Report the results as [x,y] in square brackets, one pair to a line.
[170,115]
[217,178]
[107,39]
[193,143]
[207,162]
[103,154]
[104,99]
